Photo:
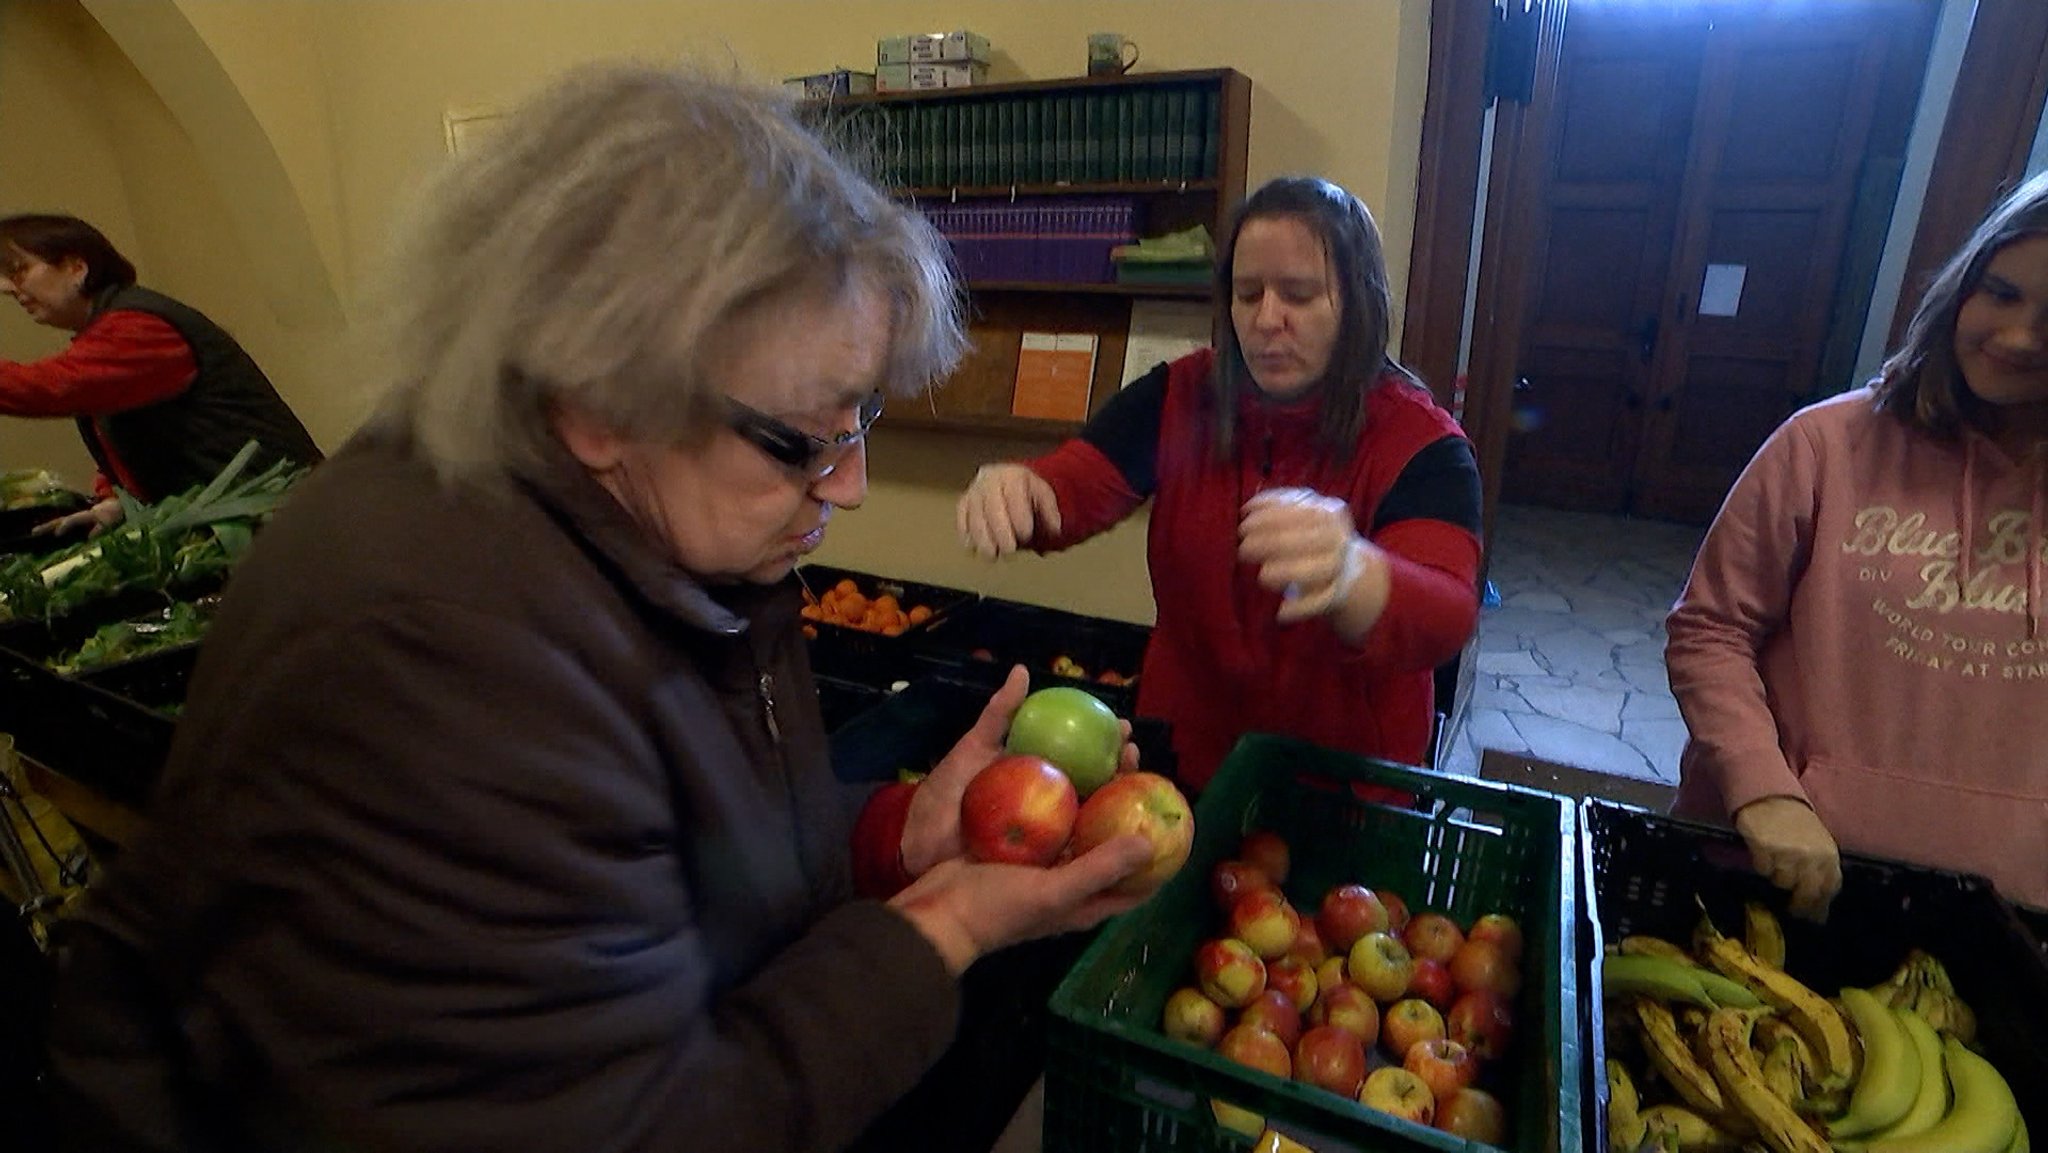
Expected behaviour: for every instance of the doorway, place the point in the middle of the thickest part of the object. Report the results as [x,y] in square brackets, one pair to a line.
[1702,243]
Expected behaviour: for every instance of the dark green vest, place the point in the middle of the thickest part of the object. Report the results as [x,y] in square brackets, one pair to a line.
[175,444]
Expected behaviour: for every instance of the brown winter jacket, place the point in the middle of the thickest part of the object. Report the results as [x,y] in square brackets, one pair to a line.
[486,828]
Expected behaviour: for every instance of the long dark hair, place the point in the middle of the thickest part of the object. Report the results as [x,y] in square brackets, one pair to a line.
[1359,268]
[54,239]
[1921,383]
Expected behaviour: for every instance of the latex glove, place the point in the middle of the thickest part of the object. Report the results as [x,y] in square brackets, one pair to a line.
[97,519]
[1306,548]
[1789,845]
[1004,508]
[968,910]
[931,831]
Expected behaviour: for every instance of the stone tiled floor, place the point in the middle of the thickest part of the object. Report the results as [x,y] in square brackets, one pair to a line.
[1571,664]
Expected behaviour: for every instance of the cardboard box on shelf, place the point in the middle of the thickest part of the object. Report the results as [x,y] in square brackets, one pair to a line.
[826,85]
[932,47]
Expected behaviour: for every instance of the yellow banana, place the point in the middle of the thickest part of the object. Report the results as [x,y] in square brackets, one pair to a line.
[1890,1080]
[1763,935]
[1640,945]
[1625,1128]
[1774,1030]
[1932,970]
[1946,1011]
[1672,1058]
[1725,1044]
[1808,1011]
[1781,1071]
[1676,1127]
[1896,992]
[1984,1118]
[1930,1100]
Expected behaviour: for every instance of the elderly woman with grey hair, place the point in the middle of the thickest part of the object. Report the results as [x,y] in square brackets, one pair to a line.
[500,816]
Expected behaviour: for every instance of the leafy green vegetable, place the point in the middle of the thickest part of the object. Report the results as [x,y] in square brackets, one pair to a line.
[179,540]
[127,640]
[34,488]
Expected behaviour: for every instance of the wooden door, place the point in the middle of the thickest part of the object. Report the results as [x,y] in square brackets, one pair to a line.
[1783,113]
[1626,90]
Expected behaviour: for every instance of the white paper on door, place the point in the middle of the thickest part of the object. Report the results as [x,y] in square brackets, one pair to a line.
[1721,290]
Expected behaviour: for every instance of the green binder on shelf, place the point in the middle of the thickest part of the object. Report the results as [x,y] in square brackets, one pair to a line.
[1120,136]
[1172,149]
[1212,132]
[1141,132]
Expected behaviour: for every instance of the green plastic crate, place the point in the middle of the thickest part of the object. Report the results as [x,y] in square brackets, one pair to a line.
[1114,1081]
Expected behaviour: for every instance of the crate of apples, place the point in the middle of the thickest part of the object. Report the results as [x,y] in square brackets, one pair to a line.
[1407,1014]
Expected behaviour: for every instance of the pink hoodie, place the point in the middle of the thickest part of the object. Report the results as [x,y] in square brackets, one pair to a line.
[1863,630]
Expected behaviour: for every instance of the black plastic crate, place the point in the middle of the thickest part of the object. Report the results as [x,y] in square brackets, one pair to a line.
[1645,873]
[841,701]
[102,741]
[852,654]
[1011,632]
[1466,847]
[908,731]
[156,681]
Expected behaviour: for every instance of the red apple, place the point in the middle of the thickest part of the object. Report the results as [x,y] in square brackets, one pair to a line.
[1397,910]
[1146,804]
[1257,1048]
[1432,982]
[1274,1012]
[1230,880]
[1443,1064]
[1501,930]
[1407,1024]
[1475,1115]
[1330,1057]
[1292,976]
[1018,811]
[1229,973]
[1308,944]
[1349,1008]
[1481,965]
[1263,849]
[1399,1093]
[1193,1018]
[1432,935]
[1482,1022]
[1380,965]
[1348,913]
[1264,920]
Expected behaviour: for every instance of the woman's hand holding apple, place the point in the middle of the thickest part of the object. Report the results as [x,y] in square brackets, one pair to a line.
[968,909]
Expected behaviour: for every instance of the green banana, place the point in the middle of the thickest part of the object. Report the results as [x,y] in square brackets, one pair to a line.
[1763,935]
[1658,978]
[1890,1079]
[2020,1143]
[1728,994]
[1625,1129]
[1984,1118]
[1930,1102]
[1676,1127]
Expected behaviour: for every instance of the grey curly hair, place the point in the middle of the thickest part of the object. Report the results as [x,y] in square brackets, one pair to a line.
[593,250]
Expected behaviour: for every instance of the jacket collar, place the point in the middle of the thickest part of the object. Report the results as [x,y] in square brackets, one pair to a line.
[577,499]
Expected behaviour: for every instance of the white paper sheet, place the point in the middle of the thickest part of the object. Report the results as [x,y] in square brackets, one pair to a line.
[1721,290]
[1163,330]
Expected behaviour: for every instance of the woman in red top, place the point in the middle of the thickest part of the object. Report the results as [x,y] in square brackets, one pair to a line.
[163,397]
[1314,542]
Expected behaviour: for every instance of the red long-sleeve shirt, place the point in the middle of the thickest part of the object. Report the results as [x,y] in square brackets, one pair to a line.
[123,360]
[1220,665]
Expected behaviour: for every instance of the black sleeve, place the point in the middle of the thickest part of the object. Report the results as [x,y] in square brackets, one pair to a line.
[1127,430]
[1439,483]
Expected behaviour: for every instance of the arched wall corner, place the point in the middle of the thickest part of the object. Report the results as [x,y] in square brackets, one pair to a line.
[238,155]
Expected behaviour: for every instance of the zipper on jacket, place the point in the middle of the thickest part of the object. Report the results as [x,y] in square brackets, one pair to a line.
[765,686]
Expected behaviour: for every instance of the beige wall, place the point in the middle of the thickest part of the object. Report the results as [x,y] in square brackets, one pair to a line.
[353,93]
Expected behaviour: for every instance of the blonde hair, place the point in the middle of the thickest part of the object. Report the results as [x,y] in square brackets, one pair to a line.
[592,252]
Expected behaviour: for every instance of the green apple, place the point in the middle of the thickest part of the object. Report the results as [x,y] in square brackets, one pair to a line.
[1074,731]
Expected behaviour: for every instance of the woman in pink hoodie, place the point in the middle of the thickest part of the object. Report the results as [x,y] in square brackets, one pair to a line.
[1859,652]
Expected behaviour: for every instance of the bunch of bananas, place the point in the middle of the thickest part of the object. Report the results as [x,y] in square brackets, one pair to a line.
[1739,1055]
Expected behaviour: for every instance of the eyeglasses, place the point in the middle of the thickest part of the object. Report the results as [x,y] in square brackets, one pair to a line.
[812,456]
